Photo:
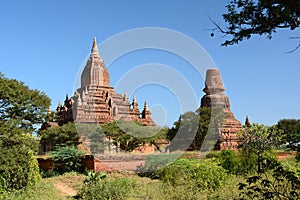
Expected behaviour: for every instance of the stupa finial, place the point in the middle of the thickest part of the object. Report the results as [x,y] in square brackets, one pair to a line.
[95,50]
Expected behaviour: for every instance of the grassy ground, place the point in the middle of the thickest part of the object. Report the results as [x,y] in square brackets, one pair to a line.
[68,185]
[43,190]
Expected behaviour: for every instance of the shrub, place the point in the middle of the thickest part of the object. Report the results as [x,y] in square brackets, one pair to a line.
[41,190]
[213,154]
[18,169]
[93,177]
[282,184]
[117,189]
[270,159]
[48,173]
[248,161]
[67,159]
[230,161]
[204,175]
[291,166]
[155,162]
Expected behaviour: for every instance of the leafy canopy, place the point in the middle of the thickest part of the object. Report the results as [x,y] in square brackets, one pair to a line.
[131,135]
[282,184]
[259,138]
[21,106]
[21,111]
[200,128]
[291,129]
[60,135]
[245,18]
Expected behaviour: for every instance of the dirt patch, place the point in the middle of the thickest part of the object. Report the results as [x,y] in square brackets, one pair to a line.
[64,189]
[68,185]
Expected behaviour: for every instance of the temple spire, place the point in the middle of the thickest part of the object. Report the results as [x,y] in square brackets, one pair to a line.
[95,51]
[146,114]
[146,106]
[247,121]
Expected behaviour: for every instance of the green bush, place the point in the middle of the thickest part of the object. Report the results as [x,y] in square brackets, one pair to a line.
[48,173]
[198,175]
[213,154]
[60,135]
[41,190]
[92,177]
[18,169]
[67,159]
[270,159]
[245,161]
[282,184]
[291,166]
[230,161]
[155,162]
[248,161]
[116,189]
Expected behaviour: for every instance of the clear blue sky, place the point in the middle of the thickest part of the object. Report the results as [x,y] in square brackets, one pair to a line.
[44,43]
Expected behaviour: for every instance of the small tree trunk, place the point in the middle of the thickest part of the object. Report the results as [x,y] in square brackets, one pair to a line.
[259,163]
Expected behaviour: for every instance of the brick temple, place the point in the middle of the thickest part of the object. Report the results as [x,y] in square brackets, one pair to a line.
[215,97]
[97,102]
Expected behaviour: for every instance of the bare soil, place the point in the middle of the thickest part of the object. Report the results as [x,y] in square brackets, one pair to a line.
[68,185]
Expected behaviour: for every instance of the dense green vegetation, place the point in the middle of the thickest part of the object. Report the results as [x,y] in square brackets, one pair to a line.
[182,179]
[65,135]
[277,184]
[67,159]
[195,128]
[193,179]
[21,111]
[291,139]
[21,107]
[259,139]
[128,136]
[41,190]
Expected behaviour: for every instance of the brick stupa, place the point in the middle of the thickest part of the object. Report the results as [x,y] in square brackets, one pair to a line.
[215,97]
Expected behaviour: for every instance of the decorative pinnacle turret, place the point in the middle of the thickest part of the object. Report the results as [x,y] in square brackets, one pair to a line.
[134,103]
[247,122]
[95,51]
[145,106]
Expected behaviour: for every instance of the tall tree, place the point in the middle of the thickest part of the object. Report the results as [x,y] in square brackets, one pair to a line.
[245,18]
[291,129]
[131,135]
[21,106]
[65,135]
[260,138]
[21,110]
[199,127]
